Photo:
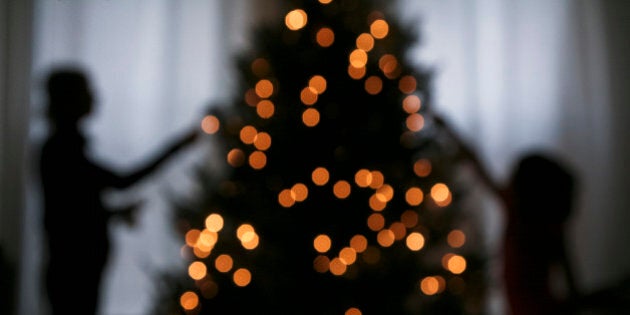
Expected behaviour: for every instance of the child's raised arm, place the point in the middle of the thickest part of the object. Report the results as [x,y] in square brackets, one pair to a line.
[469,154]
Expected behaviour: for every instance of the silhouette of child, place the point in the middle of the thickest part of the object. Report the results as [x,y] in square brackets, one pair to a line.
[538,201]
[75,217]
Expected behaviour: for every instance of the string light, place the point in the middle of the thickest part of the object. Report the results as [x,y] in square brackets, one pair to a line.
[296,19]
[255,142]
[379,29]
[325,37]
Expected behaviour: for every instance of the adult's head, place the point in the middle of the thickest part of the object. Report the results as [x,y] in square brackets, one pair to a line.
[69,94]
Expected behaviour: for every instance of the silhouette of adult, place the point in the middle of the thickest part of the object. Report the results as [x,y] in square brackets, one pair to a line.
[538,200]
[75,217]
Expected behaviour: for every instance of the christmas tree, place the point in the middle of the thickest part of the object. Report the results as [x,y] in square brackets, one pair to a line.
[338,196]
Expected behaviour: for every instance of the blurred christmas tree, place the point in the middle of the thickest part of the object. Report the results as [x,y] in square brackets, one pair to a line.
[339,197]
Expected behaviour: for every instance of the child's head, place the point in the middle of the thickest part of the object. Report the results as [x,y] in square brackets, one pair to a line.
[69,95]
[543,187]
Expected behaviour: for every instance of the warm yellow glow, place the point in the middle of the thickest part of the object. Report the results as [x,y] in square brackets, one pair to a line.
[363,178]
[415,241]
[411,104]
[201,253]
[399,230]
[210,124]
[359,243]
[430,285]
[422,167]
[242,277]
[415,122]
[365,42]
[242,229]
[191,237]
[246,236]
[257,160]
[299,192]
[445,259]
[236,157]
[348,255]
[322,243]
[353,311]
[189,300]
[371,255]
[214,222]
[318,83]
[376,204]
[224,263]
[320,176]
[341,189]
[285,198]
[456,264]
[414,196]
[265,109]
[376,222]
[321,263]
[251,98]
[262,141]
[325,37]
[264,88]
[248,134]
[373,85]
[325,1]
[250,240]
[385,193]
[207,240]
[356,73]
[409,218]
[197,270]
[385,238]
[388,63]
[337,267]
[261,67]
[308,95]
[440,192]
[295,19]
[393,70]
[358,58]
[379,28]
[456,238]
[385,61]
[310,117]
[407,84]
[445,202]
[378,179]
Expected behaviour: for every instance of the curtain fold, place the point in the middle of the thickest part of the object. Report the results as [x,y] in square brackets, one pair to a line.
[15,52]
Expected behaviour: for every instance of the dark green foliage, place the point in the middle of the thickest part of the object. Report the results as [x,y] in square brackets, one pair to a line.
[357,130]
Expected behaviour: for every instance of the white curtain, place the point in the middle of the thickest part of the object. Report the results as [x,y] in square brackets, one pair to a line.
[511,75]
[156,67]
[520,75]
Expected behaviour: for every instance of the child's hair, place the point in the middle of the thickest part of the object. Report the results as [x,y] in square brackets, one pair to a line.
[543,187]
